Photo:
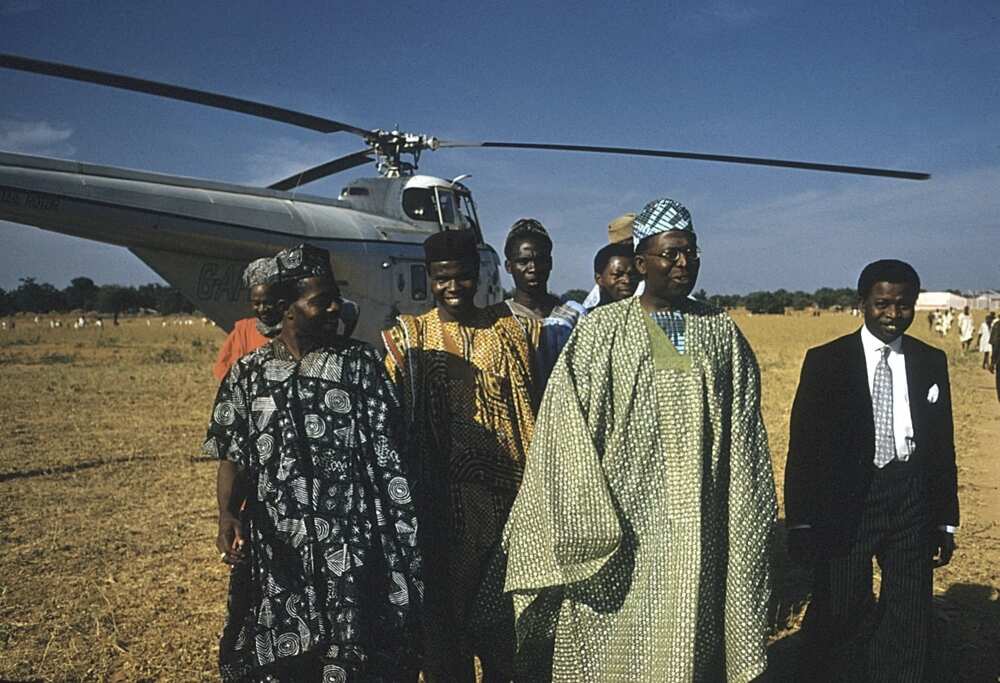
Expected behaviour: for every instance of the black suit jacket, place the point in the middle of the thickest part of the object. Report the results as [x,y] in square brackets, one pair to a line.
[831,444]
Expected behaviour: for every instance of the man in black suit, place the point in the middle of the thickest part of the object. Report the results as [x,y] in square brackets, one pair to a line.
[871,473]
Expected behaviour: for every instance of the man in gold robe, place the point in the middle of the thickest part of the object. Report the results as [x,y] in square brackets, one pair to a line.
[465,377]
[638,544]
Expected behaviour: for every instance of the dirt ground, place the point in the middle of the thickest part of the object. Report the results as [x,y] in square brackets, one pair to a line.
[108,570]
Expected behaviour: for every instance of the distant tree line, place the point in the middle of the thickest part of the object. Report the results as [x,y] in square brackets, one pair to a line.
[780,300]
[765,302]
[32,296]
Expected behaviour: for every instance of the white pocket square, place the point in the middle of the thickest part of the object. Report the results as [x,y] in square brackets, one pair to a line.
[932,394]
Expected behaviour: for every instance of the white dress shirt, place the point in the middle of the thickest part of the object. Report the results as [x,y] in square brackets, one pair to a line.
[902,423]
[593,298]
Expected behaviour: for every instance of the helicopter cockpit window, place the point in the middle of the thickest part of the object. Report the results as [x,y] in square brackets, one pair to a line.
[418,203]
[430,204]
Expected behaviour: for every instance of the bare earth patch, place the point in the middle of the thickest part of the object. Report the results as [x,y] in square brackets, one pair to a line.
[107,517]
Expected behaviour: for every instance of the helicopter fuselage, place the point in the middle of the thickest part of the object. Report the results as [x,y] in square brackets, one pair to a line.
[199,235]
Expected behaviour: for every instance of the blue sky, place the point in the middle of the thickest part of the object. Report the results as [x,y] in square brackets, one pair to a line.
[913,85]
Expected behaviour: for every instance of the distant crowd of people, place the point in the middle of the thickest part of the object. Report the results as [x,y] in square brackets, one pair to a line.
[571,492]
[988,344]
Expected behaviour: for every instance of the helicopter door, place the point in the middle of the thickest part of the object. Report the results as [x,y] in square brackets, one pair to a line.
[489,291]
[410,286]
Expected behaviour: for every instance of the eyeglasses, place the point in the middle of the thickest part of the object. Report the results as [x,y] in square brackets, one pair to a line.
[673,254]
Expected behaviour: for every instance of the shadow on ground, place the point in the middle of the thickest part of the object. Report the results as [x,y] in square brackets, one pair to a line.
[70,468]
[966,625]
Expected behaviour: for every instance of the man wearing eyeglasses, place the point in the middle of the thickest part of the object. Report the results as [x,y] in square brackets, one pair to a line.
[638,541]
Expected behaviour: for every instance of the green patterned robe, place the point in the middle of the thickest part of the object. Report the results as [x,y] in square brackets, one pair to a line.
[638,544]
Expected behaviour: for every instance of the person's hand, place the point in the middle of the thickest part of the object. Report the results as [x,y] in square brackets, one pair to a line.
[230,541]
[942,547]
[801,545]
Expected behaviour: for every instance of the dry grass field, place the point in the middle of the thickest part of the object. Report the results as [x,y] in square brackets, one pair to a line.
[108,570]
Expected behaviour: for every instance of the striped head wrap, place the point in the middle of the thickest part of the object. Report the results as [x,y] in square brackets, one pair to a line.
[661,215]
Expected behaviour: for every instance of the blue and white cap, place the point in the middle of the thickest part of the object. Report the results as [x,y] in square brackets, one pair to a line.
[661,215]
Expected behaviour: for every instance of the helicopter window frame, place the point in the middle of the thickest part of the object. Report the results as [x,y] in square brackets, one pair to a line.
[441,206]
[464,198]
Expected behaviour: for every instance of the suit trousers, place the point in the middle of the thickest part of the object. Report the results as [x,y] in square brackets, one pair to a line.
[850,637]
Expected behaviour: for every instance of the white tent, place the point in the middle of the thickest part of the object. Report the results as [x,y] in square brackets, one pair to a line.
[940,300]
[988,300]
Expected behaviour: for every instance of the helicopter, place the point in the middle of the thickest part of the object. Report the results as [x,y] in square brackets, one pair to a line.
[199,235]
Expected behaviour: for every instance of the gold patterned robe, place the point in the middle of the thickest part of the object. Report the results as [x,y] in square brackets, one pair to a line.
[637,546]
[468,397]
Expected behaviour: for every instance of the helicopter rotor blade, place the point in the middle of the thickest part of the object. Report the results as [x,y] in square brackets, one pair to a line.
[177,92]
[323,170]
[756,161]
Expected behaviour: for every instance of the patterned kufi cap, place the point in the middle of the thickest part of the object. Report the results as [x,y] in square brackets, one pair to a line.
[661,215]
[301,262]
[451,245]
[263,271]
[527,227]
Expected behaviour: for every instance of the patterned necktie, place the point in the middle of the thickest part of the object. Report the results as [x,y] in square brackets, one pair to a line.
[885,441]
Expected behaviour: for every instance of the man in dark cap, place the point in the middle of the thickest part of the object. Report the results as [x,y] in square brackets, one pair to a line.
[871,473]
[308,432]
[547,321]
[614,272]
[465,375]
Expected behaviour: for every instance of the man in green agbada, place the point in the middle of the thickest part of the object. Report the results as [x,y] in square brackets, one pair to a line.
[638,544]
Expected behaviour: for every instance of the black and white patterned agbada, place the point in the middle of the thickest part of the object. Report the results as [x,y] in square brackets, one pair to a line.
[333,568]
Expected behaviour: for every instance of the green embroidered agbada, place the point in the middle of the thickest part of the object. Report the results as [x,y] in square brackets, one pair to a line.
[638,543]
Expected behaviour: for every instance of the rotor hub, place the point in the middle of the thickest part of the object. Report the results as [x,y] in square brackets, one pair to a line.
[389,147]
